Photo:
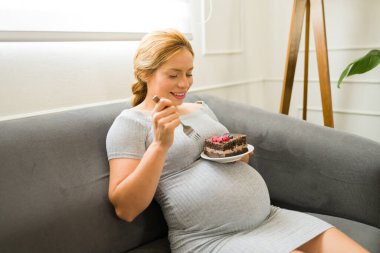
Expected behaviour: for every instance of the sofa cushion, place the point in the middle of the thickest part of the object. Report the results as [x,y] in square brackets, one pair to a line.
[54,183]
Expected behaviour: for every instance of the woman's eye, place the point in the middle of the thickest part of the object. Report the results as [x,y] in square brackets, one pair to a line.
[172,76]
[189,75]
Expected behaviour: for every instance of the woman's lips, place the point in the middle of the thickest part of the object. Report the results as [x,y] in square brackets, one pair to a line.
[178,95]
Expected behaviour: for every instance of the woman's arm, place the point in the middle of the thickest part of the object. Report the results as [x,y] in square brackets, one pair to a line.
[133,183]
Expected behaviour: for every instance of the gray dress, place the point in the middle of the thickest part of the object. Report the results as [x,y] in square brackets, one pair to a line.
[209,206]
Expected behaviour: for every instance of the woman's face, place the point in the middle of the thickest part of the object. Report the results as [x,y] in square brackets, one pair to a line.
[173,79]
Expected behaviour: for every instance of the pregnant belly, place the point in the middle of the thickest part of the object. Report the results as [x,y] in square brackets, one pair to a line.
[212,196]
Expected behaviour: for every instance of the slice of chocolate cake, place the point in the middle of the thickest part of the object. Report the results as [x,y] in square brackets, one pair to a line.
[229,144]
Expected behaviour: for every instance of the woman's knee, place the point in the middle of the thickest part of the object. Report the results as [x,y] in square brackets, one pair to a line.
[330,241]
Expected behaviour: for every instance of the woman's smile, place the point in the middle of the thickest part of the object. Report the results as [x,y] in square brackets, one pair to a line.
[178,95]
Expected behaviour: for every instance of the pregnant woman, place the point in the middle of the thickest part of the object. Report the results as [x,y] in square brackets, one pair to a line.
[208,206]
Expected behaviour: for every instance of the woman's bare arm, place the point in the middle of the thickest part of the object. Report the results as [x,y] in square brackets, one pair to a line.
[134,182]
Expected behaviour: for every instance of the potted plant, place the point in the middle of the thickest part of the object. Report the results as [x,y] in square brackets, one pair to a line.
[361,65]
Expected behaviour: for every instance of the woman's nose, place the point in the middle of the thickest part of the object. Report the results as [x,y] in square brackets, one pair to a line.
[184,82]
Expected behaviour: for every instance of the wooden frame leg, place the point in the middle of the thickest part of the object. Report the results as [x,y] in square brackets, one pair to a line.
[318,18]
[292,53]
[306,61]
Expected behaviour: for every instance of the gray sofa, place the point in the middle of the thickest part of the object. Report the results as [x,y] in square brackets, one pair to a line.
[54,179]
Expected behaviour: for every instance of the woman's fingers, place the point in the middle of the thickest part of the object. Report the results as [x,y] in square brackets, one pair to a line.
[165,119]
[245,158]
[169,121]
[163,109]
[161,104]
[165,115]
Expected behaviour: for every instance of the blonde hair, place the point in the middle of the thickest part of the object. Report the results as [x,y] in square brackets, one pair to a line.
[154,50]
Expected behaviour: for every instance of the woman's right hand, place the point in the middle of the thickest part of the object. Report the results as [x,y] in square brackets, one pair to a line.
[165,119]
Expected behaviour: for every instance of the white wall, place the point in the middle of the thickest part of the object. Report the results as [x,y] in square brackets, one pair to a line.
[240,55]
[37,76]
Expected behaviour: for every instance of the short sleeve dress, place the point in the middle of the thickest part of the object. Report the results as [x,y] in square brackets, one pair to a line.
[209,206]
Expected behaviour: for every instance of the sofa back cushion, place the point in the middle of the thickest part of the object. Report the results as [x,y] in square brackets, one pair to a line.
[54,182]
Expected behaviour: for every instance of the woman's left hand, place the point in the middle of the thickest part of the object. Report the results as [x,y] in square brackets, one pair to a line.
[246,157]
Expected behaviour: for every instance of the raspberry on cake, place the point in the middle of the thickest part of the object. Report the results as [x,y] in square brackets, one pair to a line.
[229,144]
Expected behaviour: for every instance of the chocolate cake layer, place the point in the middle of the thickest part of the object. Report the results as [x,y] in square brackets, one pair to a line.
[235,146]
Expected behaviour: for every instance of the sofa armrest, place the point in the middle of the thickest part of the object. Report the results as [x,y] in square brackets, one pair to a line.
[309,167]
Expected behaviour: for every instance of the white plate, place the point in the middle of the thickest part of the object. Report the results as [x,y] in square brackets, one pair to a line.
[229,159]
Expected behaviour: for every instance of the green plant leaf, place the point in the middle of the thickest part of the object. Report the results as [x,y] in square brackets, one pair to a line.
[344,74]
[361,65]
